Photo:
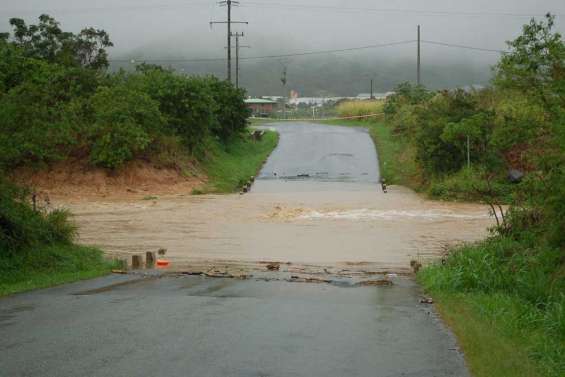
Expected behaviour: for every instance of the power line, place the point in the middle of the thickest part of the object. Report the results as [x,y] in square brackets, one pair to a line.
[305,53]
[283,6]
[394,10]
[462,46]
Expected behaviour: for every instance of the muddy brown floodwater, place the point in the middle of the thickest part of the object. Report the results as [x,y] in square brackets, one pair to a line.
[317,206]
[362,230]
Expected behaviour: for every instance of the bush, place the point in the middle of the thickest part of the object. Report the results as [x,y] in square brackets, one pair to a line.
[231,110]
[469,184]
[125,123]
[22,228]
[186,104]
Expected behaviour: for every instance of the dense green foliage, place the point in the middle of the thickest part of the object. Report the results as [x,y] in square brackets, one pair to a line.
[57,101]
[21,227]
[515,280]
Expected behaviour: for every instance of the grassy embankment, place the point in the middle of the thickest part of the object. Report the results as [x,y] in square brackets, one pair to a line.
[504,300]
[232,165]
[47,266]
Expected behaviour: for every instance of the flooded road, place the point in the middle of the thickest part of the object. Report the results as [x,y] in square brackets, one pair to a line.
[322,216]
[315,204]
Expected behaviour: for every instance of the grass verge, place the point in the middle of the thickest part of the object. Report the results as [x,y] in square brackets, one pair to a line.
[230,167]
[51,265]
[505,301]
[396,159]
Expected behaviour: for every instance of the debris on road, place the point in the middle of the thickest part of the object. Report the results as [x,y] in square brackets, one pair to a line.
[373,283]
[415,265]
[273,266]
[426,300]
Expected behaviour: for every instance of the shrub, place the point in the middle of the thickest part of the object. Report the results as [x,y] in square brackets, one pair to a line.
[22,228]
[186,104]
[231,110]
[125,123]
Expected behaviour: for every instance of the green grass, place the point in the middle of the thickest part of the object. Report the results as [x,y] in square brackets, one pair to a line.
[48,266]
[396,158]
[230,167]
[505,301]
[490,348]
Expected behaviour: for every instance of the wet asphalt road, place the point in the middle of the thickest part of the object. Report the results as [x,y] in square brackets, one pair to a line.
[129,325]
[320,154]
[194,326]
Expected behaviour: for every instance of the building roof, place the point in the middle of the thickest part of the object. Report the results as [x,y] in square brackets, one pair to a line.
[259,101]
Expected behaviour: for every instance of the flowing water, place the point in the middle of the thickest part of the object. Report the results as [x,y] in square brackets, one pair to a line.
[316,206]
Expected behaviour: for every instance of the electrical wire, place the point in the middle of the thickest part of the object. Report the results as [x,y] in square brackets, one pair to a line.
[304,53]
[461,46]
[391,10]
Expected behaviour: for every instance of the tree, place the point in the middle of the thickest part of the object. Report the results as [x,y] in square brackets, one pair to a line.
[47,41]
[535,63]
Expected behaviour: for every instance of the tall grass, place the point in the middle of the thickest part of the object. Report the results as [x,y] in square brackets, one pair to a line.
[229,166]
[512,287]
[360,107]
[36,246]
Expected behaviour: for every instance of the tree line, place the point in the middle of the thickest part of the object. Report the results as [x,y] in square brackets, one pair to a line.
[58,101]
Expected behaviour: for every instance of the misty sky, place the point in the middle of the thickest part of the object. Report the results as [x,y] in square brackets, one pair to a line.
[180,28]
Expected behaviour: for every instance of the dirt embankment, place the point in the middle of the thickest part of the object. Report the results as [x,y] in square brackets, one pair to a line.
[76,181]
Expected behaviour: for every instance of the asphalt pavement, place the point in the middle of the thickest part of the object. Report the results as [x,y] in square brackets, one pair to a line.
[195,326]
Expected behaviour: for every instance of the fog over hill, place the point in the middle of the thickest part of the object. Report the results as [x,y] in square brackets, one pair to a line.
[164,30]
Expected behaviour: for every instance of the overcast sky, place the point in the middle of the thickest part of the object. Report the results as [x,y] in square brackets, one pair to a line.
[180,28]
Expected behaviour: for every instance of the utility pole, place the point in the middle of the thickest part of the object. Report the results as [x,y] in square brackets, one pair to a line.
[372,96]
[228,4]
[419,72]
[283,81]
[237,47]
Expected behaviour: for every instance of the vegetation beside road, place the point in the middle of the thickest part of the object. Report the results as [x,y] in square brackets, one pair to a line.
[505,296]
[36,245]
[231,165]
[505,300]
[359,108]
[59,104]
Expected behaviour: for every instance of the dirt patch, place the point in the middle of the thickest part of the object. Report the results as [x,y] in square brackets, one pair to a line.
[77,181]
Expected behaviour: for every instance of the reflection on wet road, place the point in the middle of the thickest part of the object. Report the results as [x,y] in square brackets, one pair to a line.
[336,219]
[321,154]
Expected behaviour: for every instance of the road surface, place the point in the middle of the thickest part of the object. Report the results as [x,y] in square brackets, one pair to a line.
[322,215]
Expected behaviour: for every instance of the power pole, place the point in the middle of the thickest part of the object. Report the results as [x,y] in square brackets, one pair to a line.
[228,4]
[237,47]
[419,72]
[283,81]
[372,96]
